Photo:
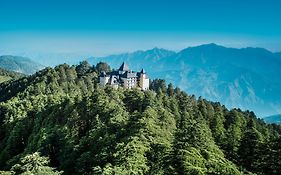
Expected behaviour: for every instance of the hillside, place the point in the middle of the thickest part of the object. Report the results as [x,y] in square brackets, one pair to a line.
[278,54]
[19,64]
[244,78]
[8,75]
[149,59]
[61,120]
[273,119]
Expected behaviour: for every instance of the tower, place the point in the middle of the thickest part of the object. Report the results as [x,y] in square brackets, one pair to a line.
[104,79]
[144,81]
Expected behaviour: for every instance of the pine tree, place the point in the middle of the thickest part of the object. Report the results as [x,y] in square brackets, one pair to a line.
[34,164]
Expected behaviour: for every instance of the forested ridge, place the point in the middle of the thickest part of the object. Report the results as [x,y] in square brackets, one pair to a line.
[6,75]
[59,121]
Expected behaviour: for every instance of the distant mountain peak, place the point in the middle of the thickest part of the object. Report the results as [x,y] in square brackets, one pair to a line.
[220,48]
[204,47]
[210,45]
[257,49]
[159,50]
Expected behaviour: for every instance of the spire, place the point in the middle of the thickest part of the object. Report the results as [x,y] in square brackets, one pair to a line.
[124,67]
[142,71]
[103,74]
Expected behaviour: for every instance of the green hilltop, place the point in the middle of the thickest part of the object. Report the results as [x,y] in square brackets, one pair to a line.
[6,75]
[59,121]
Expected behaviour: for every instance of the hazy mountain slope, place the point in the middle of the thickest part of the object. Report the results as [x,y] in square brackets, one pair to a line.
[136,60]
[19,64]
[273,119]
[246,78]
[278,54]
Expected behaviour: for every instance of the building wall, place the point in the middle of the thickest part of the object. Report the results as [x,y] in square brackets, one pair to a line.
[144,82]
[133,82]
[130,82]
[115,86]
[104,80]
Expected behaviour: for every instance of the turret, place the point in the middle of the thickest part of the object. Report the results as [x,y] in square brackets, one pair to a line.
[143,80]
[103,79]
[123,68]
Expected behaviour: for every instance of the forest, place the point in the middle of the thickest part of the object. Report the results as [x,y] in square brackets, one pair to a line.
[60,121]
[6,75]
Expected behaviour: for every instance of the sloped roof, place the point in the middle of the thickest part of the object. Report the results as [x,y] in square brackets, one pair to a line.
[103,74]
[124,67]
[142,71]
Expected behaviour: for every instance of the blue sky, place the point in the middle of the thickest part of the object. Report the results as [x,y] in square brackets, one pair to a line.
[101,27]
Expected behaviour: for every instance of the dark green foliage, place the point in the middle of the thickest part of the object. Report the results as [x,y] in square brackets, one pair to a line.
[85,129]
[6,75]
[249,149]
[170,89]
[83,68]
[101,66]
[34,164]
[158,85]
[271,157]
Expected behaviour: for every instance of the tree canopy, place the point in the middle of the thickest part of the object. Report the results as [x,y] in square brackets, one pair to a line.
[60,121]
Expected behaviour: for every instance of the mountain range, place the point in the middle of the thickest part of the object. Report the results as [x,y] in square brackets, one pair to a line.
[246,78]
[19,64]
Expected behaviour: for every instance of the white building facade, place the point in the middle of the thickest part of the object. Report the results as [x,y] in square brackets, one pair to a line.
[126,78]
